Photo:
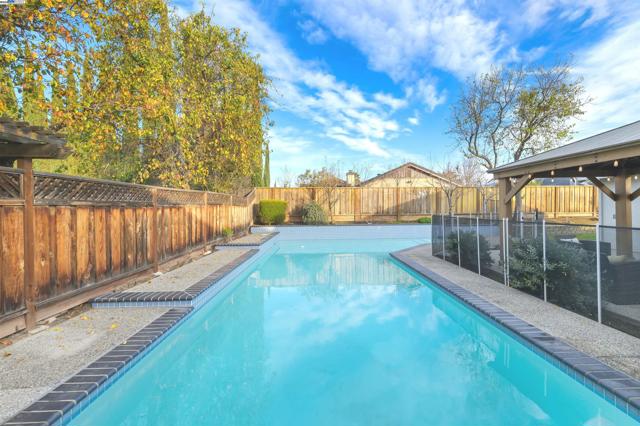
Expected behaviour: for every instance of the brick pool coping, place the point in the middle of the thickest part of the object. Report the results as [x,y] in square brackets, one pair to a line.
[171,298]
[66,398]
[264,239]
[616,387]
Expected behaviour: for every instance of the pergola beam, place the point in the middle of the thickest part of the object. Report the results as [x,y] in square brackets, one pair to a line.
[635,194]
[586,173]
[604,188]
[585,160]
[520,183]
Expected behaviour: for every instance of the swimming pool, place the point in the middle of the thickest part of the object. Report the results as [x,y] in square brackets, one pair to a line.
[337,332]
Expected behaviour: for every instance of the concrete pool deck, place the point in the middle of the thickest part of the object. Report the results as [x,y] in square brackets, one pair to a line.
[615,348]
[33,364]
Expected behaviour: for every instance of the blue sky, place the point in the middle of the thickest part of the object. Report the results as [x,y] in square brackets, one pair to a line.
[369,83]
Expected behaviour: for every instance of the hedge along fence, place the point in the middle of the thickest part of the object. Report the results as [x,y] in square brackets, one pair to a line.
[362,204]
[65,239]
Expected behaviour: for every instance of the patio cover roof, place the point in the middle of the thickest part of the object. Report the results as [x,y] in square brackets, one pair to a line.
[595,154]
[18,139]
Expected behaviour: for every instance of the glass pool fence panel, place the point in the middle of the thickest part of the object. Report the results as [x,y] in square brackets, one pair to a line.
[620,278]
[436,236]
[491,261]
[451,239]
[571,270]
[526,257]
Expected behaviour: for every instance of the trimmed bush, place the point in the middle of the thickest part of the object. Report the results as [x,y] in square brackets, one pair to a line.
[571,273]
[227,233]
[424,220]
[272,212]
[313,214]
[468,250]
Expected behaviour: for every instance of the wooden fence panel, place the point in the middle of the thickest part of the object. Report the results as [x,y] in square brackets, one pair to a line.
[408,203]
[91,232]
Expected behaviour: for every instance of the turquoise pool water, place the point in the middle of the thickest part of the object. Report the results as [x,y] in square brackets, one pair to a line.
[338,333]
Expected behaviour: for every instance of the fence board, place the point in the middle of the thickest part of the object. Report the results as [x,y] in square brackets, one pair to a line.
[408,203]
[90,231]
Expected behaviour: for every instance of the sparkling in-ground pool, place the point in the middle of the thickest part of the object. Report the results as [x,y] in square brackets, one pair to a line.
[339,333]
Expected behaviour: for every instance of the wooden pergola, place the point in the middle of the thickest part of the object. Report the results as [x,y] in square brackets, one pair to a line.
[612,154]
[21,141]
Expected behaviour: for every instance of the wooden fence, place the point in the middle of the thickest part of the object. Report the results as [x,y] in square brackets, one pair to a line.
[362,204]
[65,239]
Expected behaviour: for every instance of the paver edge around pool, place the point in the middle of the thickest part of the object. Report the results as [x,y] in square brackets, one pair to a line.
[586,370]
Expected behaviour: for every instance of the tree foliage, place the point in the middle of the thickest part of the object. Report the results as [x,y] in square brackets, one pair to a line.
[141,94]
[506,114]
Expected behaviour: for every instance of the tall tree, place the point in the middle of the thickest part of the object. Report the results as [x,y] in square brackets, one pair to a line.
[507,113]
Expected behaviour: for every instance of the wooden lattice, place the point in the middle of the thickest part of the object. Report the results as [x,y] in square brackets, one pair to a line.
[168,197]
[59,188]
[217,198]
[10,184]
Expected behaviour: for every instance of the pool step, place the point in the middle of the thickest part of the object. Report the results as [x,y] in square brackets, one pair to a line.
[173,298]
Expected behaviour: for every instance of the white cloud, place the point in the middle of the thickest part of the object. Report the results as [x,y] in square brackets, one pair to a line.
[390,100]
[398,37]
[425,91]
[305,89]
[611,78]
[312,32]
[414,120]
[537,13]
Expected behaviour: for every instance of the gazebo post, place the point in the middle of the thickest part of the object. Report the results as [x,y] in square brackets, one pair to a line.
[504,205]
[624,244]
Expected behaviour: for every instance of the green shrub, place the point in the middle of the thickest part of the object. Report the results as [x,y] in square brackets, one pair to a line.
[272,212]
[571,273]
[424,220]
[468,251]
[227,233]
[313,214]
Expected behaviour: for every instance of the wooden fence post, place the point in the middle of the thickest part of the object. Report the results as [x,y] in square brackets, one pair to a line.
[357,204]
[397,203]
[154,229]
[29,241]
[204,220]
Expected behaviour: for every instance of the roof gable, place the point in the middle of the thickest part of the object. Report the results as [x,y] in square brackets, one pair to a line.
[412,166]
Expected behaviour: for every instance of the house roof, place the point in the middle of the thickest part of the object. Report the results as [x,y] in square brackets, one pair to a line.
[611,140]
[18,139]
[415,166]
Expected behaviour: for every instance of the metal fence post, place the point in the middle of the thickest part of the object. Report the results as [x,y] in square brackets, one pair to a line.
[504,253]
[458,226]
[506,221]
[544,259]
[478,242]
[598,279]
[443,240]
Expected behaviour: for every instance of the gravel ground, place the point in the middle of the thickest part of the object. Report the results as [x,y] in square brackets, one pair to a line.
[187,275]
[613,347]
[252,239]
[32,364]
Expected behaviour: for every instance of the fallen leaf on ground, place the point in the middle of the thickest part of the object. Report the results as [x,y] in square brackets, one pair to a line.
[84,317]
[114,326]
[6,354]
[6,342]
[57,328]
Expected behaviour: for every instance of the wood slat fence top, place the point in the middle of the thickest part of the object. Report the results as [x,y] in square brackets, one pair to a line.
[53,189]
